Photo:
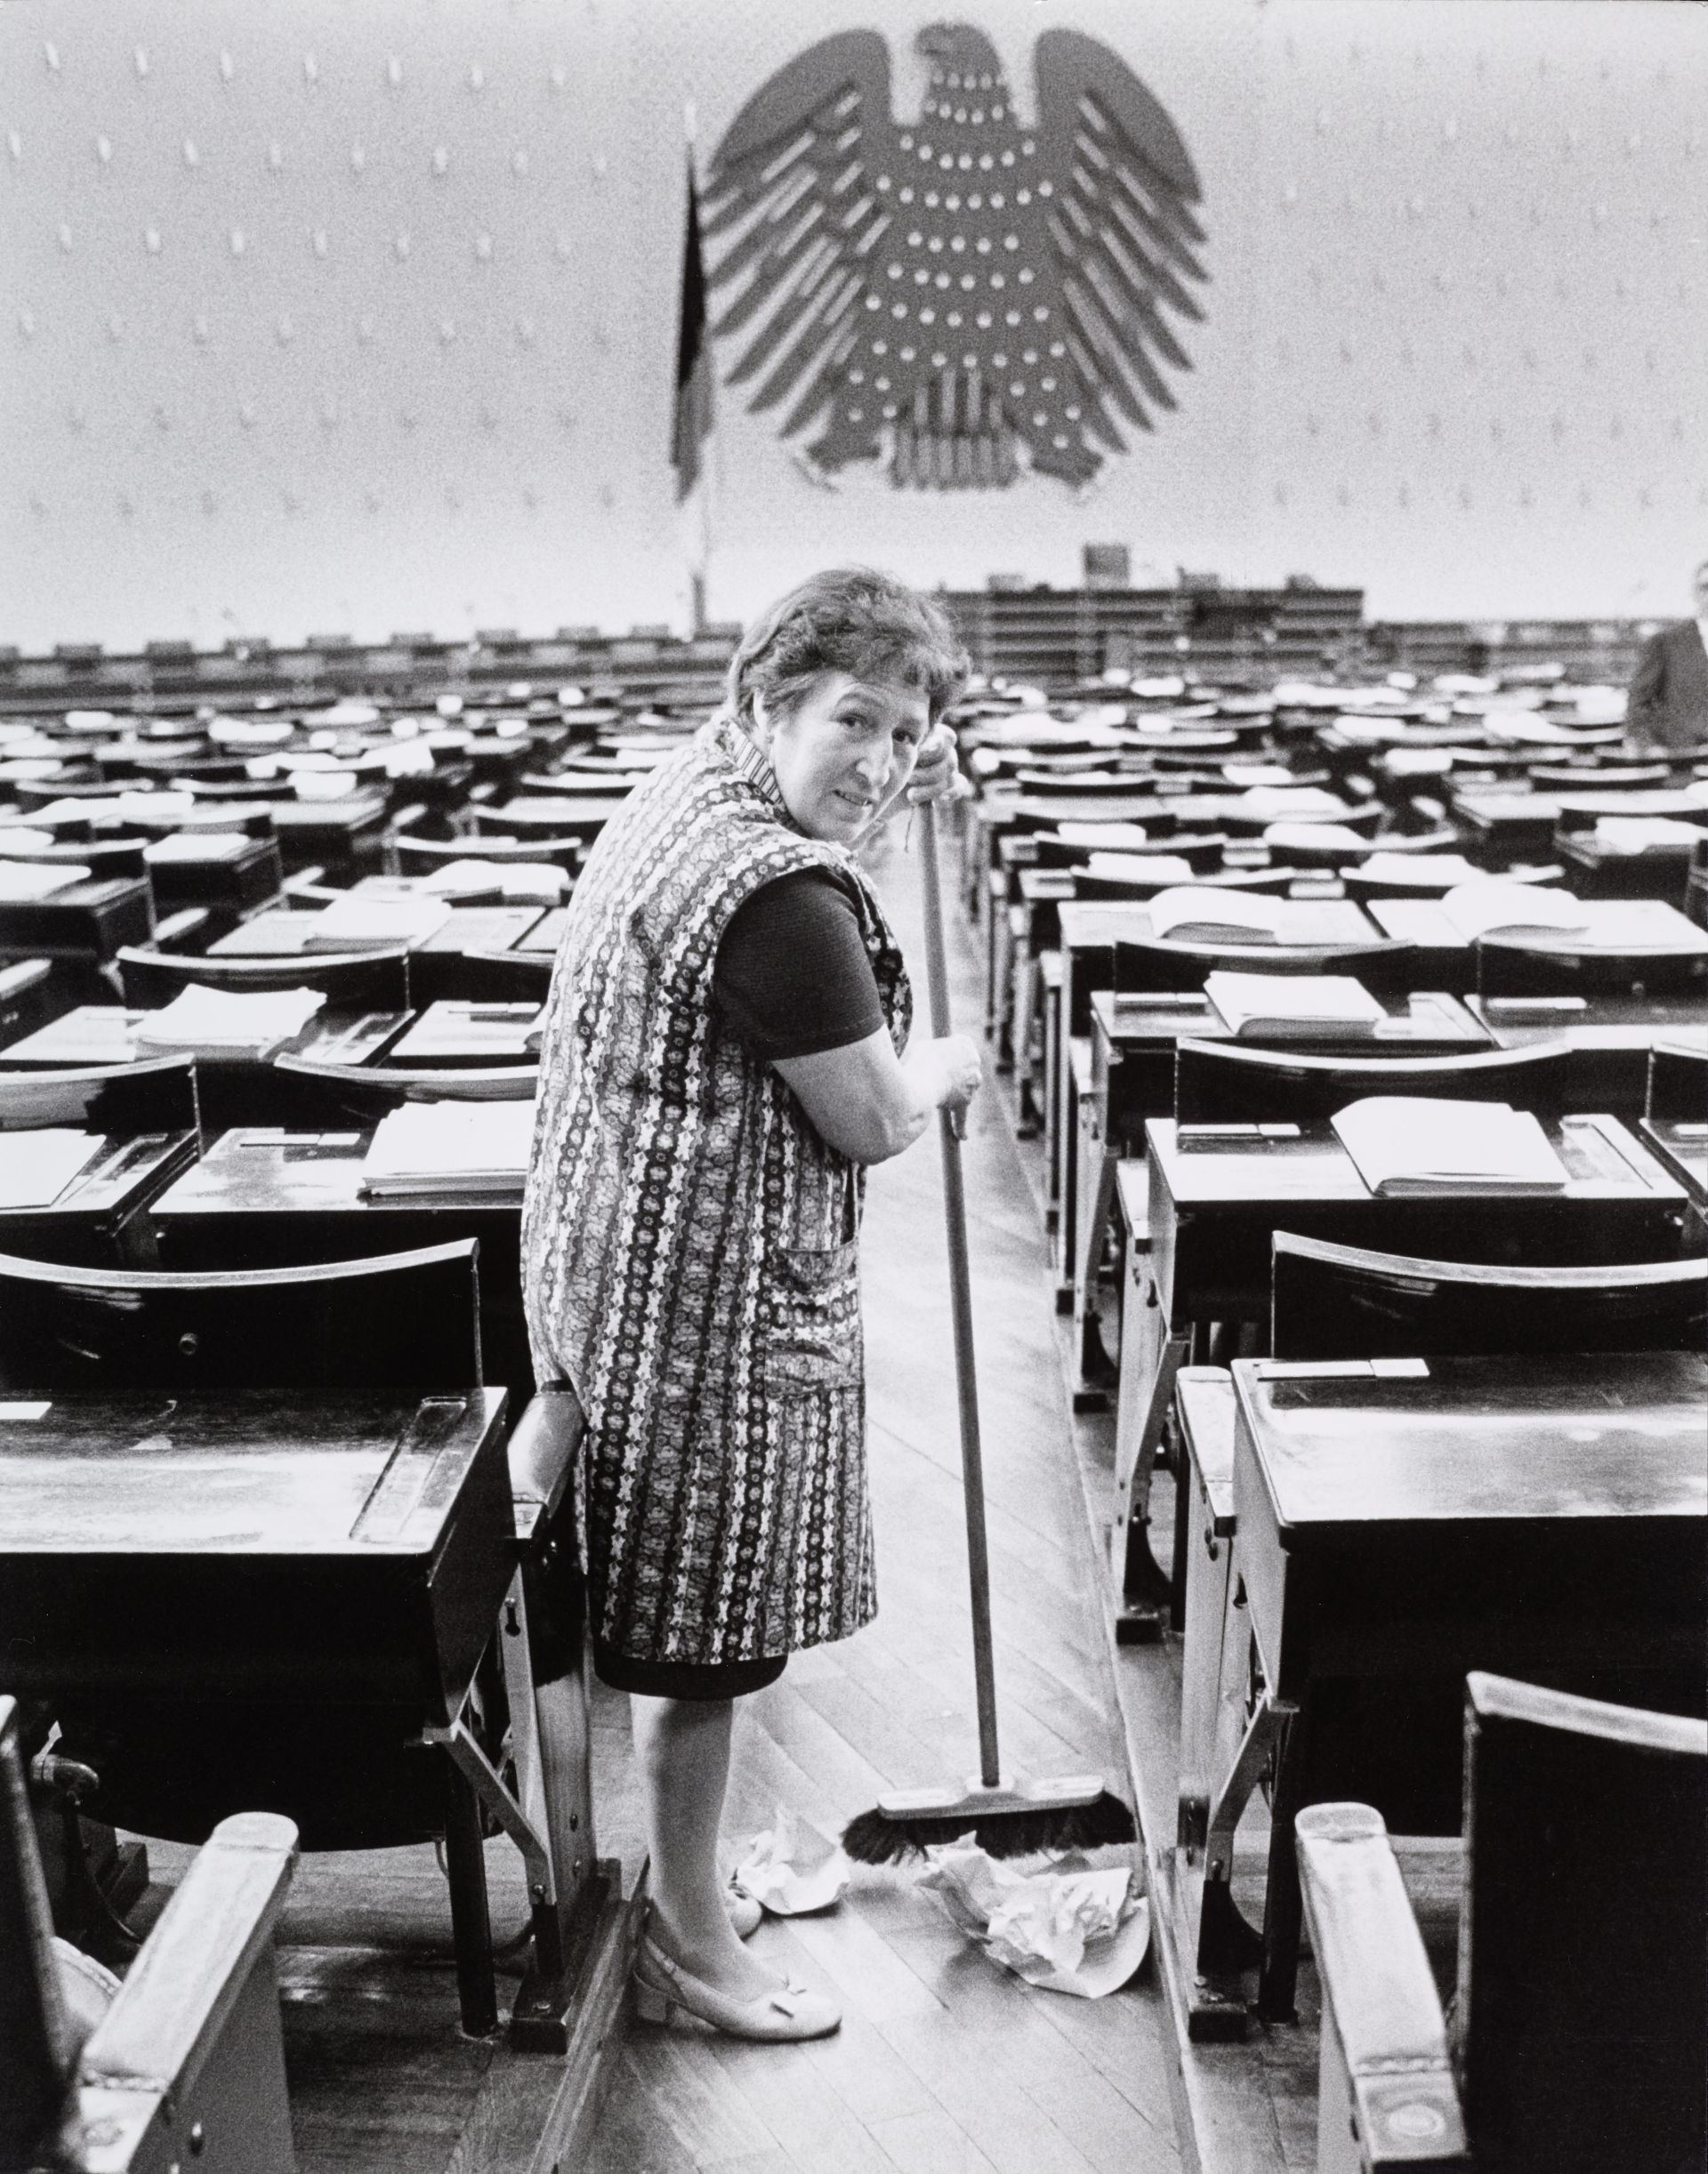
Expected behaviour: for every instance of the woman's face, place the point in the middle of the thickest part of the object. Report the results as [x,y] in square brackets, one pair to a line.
[843,751]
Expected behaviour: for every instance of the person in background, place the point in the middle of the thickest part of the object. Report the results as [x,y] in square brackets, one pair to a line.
[1667,709]
[725,1049]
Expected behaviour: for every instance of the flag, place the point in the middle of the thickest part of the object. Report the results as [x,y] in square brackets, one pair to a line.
[691,423]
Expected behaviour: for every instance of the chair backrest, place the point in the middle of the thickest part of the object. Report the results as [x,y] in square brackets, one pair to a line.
[310,1093]
[155,1096]
[1162,965]
[1342,1302]
[405,1320]
[38,2050]
[1218,1082]
[1678,1083]
[350,981]
[1511,966]
[421,855]
[1579,2022]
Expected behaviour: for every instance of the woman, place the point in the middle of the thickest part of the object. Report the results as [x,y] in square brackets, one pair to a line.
[722,1056]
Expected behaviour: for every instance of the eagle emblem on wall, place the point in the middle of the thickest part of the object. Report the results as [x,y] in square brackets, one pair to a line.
[965,295]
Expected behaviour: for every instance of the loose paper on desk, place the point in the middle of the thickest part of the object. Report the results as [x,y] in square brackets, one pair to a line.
[1202,914]
[1272,803]
[1301,837]
[1070,1930]
[1406,1144]
[1303,1005]
[36,1167]
[22,880]
[1647,834]
[1482,907]
[791,1869]
[229,1022]
[1440,872]
[1104,837]
[353,921]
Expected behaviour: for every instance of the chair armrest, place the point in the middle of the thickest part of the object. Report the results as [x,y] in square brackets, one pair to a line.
[1385,2067]
[164,2026]
[543,1447]
[177,931]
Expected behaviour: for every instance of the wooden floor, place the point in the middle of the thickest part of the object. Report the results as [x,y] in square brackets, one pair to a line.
[945,2065]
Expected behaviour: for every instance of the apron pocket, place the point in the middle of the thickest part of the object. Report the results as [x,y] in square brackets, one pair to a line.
[813,1340]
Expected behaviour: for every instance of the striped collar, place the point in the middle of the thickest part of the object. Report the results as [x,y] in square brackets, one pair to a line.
[749,760]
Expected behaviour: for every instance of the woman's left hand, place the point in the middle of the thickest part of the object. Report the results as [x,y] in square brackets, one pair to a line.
[937,774]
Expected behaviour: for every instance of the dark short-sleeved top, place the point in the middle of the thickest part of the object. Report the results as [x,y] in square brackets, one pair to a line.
[792,977]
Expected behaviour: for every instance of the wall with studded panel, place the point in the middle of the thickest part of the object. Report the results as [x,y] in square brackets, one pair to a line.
[325,318]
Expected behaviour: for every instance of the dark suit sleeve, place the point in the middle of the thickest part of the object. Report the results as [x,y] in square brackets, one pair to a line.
[1646,703]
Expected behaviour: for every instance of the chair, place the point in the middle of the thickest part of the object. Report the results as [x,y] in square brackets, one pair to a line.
[424,855]
[329,1095]
[397,1320]
[158,1095]
[1678,1083]
[187,2052]
[1516,966]
[1342,1302]
[350,981]
[1159,963]
[1575,2045]
[1218,1082]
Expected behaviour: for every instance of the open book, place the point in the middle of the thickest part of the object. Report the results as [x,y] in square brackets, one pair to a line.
[359,923]
[1139,869]
[228,1023]
[1410,1144]
[1424,871]
[519,880]
[449,1147]
[1306,1005]
[35,1167]
[1489,904]
[1201,913]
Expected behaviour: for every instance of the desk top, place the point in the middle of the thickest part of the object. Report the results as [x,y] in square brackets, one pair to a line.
[106,1034]
[1430,1018]
[264,1170]
[546,933]
[106,1189]
[1680,1146]
[1461,1440]
[1249,1165]
[261,1473]
[1603,1020]
[1612,924]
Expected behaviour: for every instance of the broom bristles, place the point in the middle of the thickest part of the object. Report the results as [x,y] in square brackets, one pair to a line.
[875,1838]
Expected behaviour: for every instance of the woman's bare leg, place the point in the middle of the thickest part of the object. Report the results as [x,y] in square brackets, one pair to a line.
[682,1750]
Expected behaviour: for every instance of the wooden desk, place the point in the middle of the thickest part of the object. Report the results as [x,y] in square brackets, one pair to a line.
[1609,1035]
[1680,1146]
[264,1197]
[100,1219]
[84,920]
[1212,1204]
[1401,1522]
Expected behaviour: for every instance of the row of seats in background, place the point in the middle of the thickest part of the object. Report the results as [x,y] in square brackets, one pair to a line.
[1382,1425]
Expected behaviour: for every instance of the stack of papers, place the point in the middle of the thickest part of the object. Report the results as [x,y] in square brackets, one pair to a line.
[1203,914]
[36,1167]
[443,1148]
[1491,904]
[225,1023]
[23,880]
[1411,1144]
[523,881]
[363,923]
[1306,1006]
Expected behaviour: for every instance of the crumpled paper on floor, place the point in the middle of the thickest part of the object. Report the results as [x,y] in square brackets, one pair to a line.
[792,1870]
[1071,1928]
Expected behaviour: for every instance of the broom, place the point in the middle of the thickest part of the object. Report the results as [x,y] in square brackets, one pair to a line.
[1009,1814]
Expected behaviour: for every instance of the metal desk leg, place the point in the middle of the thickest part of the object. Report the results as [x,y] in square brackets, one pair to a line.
[1147,1601]
[465,1866]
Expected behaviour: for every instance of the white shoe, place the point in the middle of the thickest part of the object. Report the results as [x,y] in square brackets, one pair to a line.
[662,1988]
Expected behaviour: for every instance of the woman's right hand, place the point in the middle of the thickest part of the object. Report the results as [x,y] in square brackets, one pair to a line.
[962,1070]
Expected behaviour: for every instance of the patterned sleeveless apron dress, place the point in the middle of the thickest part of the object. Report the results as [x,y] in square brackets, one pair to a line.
[690,1241]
